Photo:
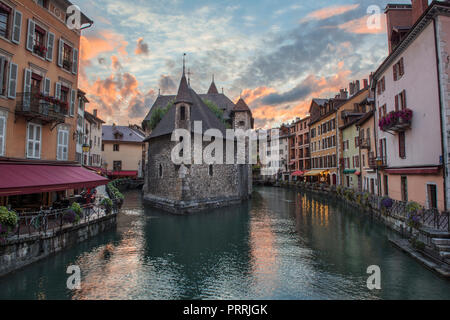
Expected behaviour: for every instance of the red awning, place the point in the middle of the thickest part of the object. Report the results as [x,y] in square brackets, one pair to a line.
[429,170]
[358,173]
[123,173]
[17,179]
[298,174]
[96,169]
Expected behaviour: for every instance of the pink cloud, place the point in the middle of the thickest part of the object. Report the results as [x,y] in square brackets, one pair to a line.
[329,12]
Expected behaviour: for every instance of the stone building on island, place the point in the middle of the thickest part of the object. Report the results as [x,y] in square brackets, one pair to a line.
[192,186]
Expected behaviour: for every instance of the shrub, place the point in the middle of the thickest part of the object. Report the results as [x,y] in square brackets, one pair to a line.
[8,221]
[70,216]
[77,208]
[387,203]
[107,204]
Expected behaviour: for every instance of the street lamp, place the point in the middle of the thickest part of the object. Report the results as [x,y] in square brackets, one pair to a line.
[86,148]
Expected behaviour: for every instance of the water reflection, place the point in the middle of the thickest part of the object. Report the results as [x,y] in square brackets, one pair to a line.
[281,245]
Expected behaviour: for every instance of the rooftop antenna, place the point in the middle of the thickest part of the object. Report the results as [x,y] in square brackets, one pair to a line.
[222,90]
[184,63]
[213,77]
[159,92]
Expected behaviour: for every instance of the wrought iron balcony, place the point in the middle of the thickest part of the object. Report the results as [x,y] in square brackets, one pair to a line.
[36,106]
[397,121]
[364,143]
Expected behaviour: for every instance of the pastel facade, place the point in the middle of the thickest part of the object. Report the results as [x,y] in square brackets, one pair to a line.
[123,149]
[38,57]
[410,158]
[350,154]
[93,137]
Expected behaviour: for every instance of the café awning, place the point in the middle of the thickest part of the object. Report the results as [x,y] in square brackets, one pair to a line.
[313,173]
[422,170]
[122,173]
[298,173]
[19,179]
[349,171]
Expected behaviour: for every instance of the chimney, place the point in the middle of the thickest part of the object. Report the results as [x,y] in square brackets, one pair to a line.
[95,112]
[398,20]
[343,94]
[357,86]
[418,8]
[366,83]
[351,88]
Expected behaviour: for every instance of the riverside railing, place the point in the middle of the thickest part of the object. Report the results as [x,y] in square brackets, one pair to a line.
[431,218]
[50,222]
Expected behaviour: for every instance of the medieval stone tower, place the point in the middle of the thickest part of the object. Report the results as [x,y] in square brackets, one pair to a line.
[189,187]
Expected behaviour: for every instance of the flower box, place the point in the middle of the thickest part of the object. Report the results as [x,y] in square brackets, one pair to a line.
[396,121]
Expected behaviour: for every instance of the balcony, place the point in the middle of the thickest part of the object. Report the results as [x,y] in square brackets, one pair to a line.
[397,121]
[364,144]
[36,106]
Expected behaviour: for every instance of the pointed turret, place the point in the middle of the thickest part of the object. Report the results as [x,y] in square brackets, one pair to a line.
[183,92]
[241,106]
[213,88]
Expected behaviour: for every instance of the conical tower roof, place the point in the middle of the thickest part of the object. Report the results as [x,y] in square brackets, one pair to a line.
[213,88]
[241,106]
[183,92]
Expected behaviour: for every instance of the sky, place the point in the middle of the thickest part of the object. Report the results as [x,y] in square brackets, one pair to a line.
[277,55]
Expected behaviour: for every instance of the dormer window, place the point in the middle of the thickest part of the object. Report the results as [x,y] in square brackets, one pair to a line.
[182,113]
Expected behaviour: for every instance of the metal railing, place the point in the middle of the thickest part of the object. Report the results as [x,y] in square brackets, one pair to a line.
[50,222]
[37,105]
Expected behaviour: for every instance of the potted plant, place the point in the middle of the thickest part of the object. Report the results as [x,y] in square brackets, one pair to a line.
[107,204]
[8,222]
[414,215]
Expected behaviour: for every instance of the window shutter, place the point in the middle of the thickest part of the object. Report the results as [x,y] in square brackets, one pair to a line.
[401,67]
[30,39]
[404,100]
[60,53]
[58,90]
[2,71]
[50,46]
[17,27]
[27,88]
[2,134]
[75,61]
[47,84]
[395,72]
[12,87]
[396,102]
[383,84]
[27,81]
[72,102]
[401,145]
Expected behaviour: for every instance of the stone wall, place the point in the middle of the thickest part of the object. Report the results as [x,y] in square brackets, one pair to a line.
[195,189]
[17,253]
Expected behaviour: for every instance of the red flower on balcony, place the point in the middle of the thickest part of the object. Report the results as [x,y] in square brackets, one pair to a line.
[394,118]
[40,48]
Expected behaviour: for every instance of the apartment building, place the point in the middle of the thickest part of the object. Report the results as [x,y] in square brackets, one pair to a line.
[93,138]
[323,142]
[412,105]
[39,65]
[300,161]
[347,114]
[123,151]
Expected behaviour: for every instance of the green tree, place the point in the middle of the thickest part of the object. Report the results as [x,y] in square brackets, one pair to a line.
[158,114]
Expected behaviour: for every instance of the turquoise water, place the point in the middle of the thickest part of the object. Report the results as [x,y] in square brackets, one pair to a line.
[280,245]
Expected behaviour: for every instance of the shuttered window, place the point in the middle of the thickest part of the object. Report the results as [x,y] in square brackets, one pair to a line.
[63,145]
[34,141]
[12,87]
[17,27]
[2,135]
[401,145]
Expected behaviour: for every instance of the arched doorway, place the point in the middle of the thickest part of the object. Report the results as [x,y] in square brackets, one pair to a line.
[334,179]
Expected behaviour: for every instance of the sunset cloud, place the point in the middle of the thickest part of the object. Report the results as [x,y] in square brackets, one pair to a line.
[329,12]
[141,47]
[364,25]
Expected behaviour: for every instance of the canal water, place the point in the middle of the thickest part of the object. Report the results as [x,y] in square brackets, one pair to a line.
[280,245]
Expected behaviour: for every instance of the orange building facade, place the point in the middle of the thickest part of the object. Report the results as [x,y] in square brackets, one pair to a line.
[39,73]
[39,66]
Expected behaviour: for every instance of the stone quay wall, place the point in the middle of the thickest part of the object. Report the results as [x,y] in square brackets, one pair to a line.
[16,253]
